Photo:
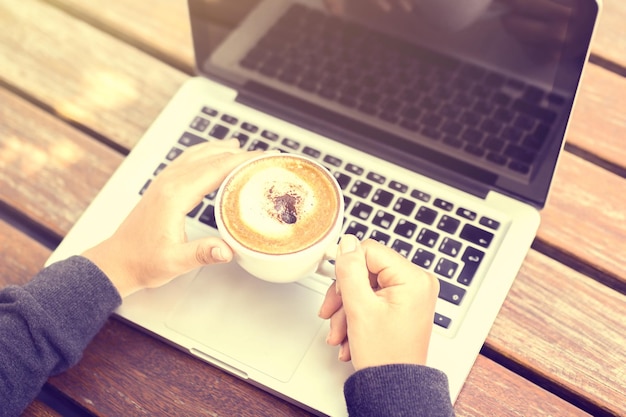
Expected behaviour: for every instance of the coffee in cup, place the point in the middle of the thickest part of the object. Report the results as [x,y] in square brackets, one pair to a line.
[280,213]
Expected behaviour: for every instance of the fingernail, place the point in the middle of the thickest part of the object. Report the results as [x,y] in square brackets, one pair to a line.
[348,244]
[218,255]
[341,352]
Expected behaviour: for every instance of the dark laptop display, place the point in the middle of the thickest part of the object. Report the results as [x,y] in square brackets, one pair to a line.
[479,102]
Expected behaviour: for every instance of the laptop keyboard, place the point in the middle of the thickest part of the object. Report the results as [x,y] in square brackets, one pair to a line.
[432,232]
[468,109]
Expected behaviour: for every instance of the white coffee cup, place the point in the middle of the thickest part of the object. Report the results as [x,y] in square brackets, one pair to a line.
[282,215]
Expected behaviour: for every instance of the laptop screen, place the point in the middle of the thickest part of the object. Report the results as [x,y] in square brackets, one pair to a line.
[477,93]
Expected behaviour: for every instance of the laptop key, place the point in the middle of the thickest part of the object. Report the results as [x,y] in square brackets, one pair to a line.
[403,248]
[382,197]
[332,160]
[342,179]
[446,268]
[398,186]
[450,292]
[442,321]
[159,169]
[472,258]
[404,206]
[426,215]
[314,153]
[377,178]
[189,139]
[450,247]
[354,169]
[194,212]
[258,144]
[290,143]
[405,228]
[209,111]
[448,224]
[249,127]
[208,216]
[356,229]
[465,213]
[218,131]
[380,237]
[420,195]
[269,135]
[361,210]
[427,237]
[476,235]
[545,115]
[423,258]
[383,219]
[490,223]
[229,119]
[173,154]
[200,124]
[443,204]
[145,187]
[361,189]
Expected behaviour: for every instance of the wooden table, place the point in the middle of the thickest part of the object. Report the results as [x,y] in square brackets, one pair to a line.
[80,81]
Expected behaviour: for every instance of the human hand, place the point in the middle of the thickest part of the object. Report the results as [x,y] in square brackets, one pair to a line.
[381,306]
[150,247]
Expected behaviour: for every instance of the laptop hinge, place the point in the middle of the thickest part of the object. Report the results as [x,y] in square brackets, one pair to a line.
[369,139]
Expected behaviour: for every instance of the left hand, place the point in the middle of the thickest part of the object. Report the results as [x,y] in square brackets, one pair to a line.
[150,247]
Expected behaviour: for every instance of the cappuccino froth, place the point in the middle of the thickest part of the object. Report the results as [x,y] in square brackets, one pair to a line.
[280,204]
[275,199]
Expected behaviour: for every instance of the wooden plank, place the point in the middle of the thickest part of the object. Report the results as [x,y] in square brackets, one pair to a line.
[567,328]
[39,409]
[51,171]
[82,74]
[595,128]
[138,22]
[598,122]
[585,215]
[169,378]
[492,388]
[610,40]
[22,257]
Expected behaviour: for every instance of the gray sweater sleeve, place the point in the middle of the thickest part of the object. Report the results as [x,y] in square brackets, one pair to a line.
[398,391]
[46,324]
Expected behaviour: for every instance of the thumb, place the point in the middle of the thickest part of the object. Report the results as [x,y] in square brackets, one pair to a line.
[206,251]
[352,274]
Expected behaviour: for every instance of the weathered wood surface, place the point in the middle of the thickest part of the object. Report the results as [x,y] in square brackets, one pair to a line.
[81,85]
[39,409]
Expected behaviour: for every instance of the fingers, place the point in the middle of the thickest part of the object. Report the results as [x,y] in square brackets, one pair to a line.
[199,171]
[332,302]
[389,267]
[352,273]
[338,328]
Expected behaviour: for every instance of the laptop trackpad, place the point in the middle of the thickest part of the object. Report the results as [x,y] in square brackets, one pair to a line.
[266,326]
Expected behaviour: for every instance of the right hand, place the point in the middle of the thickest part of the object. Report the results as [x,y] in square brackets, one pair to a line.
[381,306]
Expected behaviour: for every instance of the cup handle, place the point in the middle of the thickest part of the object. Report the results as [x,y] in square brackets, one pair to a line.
[327,266]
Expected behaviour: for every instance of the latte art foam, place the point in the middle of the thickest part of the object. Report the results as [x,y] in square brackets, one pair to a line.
[280,204]
[272,201]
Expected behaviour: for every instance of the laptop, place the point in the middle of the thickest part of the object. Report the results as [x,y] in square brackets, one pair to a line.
[443,124]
